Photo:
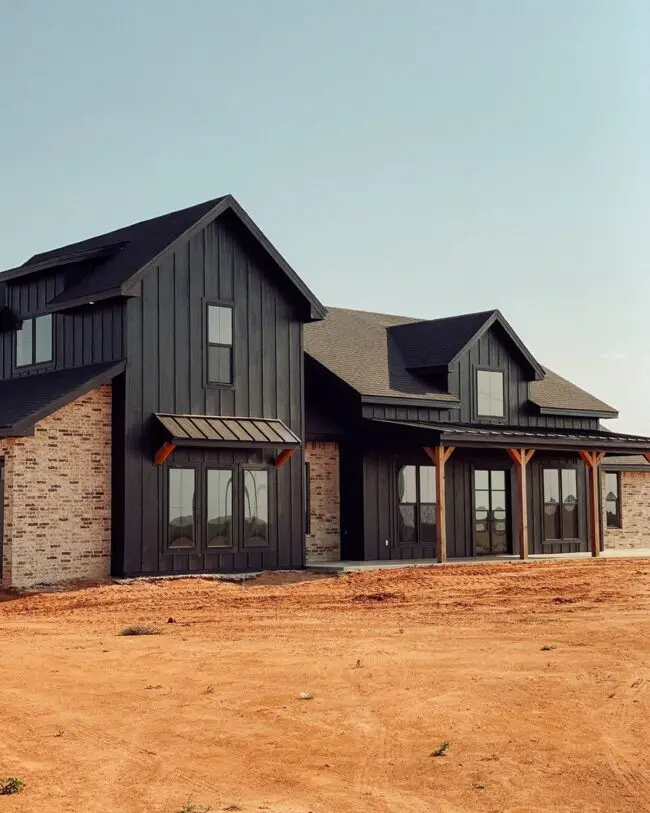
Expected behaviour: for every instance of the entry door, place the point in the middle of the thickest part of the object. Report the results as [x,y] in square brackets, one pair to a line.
[490,512]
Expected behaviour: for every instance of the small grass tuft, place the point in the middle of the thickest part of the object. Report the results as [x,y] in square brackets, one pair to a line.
[210,689]
[441,750]
[11,785]
[548,648]
[139,629]
[358,664]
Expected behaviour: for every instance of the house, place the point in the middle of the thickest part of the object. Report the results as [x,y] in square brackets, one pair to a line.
[159,415]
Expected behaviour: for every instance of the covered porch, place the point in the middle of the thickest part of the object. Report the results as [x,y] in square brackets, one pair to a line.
[495,492]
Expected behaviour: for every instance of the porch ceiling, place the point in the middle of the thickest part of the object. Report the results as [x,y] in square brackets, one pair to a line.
[504,437]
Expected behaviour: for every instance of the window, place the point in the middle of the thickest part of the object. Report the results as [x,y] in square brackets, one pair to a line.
[612,499]
[560,504]
[416,494]
[219,344]
[219,508]
[182,508]
[489,393]
[34,341]
[256,507]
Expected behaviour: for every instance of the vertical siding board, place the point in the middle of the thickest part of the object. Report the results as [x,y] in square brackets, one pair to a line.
[196,295]
[182,329]
[150,395]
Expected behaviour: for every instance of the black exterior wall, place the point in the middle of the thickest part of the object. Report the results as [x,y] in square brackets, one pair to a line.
[165,329]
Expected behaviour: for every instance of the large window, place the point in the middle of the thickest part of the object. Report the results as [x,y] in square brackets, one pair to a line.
[560,504]
[34,341]
[182,508]
[416,494]
[219,508]
[219,344]
[613,499]
[489,393]
[256,507]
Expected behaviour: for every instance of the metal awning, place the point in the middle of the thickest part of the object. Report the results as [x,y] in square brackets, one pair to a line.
[504,437]
[211,430]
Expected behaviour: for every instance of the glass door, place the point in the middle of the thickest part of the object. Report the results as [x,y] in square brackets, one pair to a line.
[490,512]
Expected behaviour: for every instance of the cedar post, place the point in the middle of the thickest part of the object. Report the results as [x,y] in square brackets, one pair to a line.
[440,455]
[592,461]
[521,458]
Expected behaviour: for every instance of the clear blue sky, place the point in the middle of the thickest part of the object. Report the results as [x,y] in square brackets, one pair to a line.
[426,157]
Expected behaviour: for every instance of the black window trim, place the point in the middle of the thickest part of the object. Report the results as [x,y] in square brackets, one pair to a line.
[562,539]
[197,508]
[619,511]
[418,542]
[232,548]
[20,369]
[219,303]
[478,415]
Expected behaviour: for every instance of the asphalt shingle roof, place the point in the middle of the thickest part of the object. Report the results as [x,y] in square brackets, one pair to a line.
[360,348]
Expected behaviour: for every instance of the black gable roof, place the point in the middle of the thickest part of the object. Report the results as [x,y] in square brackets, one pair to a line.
[114,262]
[437,343]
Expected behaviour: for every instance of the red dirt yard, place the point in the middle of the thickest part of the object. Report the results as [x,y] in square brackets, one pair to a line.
[398,662]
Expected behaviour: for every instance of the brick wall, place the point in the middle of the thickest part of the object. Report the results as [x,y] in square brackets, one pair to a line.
[323,543]
[57,502]
[635,512]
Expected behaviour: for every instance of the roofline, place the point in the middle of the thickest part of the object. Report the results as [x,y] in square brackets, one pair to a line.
[66,259]
[22,427]
[497,316]
[575,413]
[228,202]
[396,400]
[624,467]
[80,301]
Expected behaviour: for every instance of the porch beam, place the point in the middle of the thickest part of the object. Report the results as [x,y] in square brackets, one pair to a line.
[440,455]
[521,458]
[592,461]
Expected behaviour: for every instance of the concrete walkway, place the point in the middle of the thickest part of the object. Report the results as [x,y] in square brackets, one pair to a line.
[347,567]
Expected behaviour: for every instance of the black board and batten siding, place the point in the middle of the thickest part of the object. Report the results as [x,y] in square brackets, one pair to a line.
[166,373]
[493,352]
[86,336]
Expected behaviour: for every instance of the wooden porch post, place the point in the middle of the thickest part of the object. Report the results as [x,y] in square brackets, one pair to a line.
[440,455]
[592,461]
[521,459]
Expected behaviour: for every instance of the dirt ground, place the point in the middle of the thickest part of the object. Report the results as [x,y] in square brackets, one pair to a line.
[537,676]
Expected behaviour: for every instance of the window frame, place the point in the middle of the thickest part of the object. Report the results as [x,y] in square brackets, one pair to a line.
[243,468]
[33,364]
[619,513]
[217,303]
[197,508]
[477,412]
[205,547]
[418,541]
[562,539]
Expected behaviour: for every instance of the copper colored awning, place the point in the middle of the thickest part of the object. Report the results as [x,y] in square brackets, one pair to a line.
[217,431]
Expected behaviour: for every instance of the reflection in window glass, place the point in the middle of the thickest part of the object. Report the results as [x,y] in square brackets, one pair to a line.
[24,338]
[181,508]
[561,504]
[489,388]
[416,494]
[219,508]
[256,507]
[220,344]
[612,500]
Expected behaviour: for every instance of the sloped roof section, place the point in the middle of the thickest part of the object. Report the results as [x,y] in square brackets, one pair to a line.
[24,401]
[359,348]
[556,393]
[122,256]
[211,430]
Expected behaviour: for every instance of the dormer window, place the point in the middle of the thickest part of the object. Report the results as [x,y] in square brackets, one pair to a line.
[34,341]
[489,394]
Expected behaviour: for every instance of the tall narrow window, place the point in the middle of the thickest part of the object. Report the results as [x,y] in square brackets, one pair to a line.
[219,344]
[489,393]
[219,508]
[256,507]
[560,504]
[416,495]
[182,508]
[34,341]
[613,499]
